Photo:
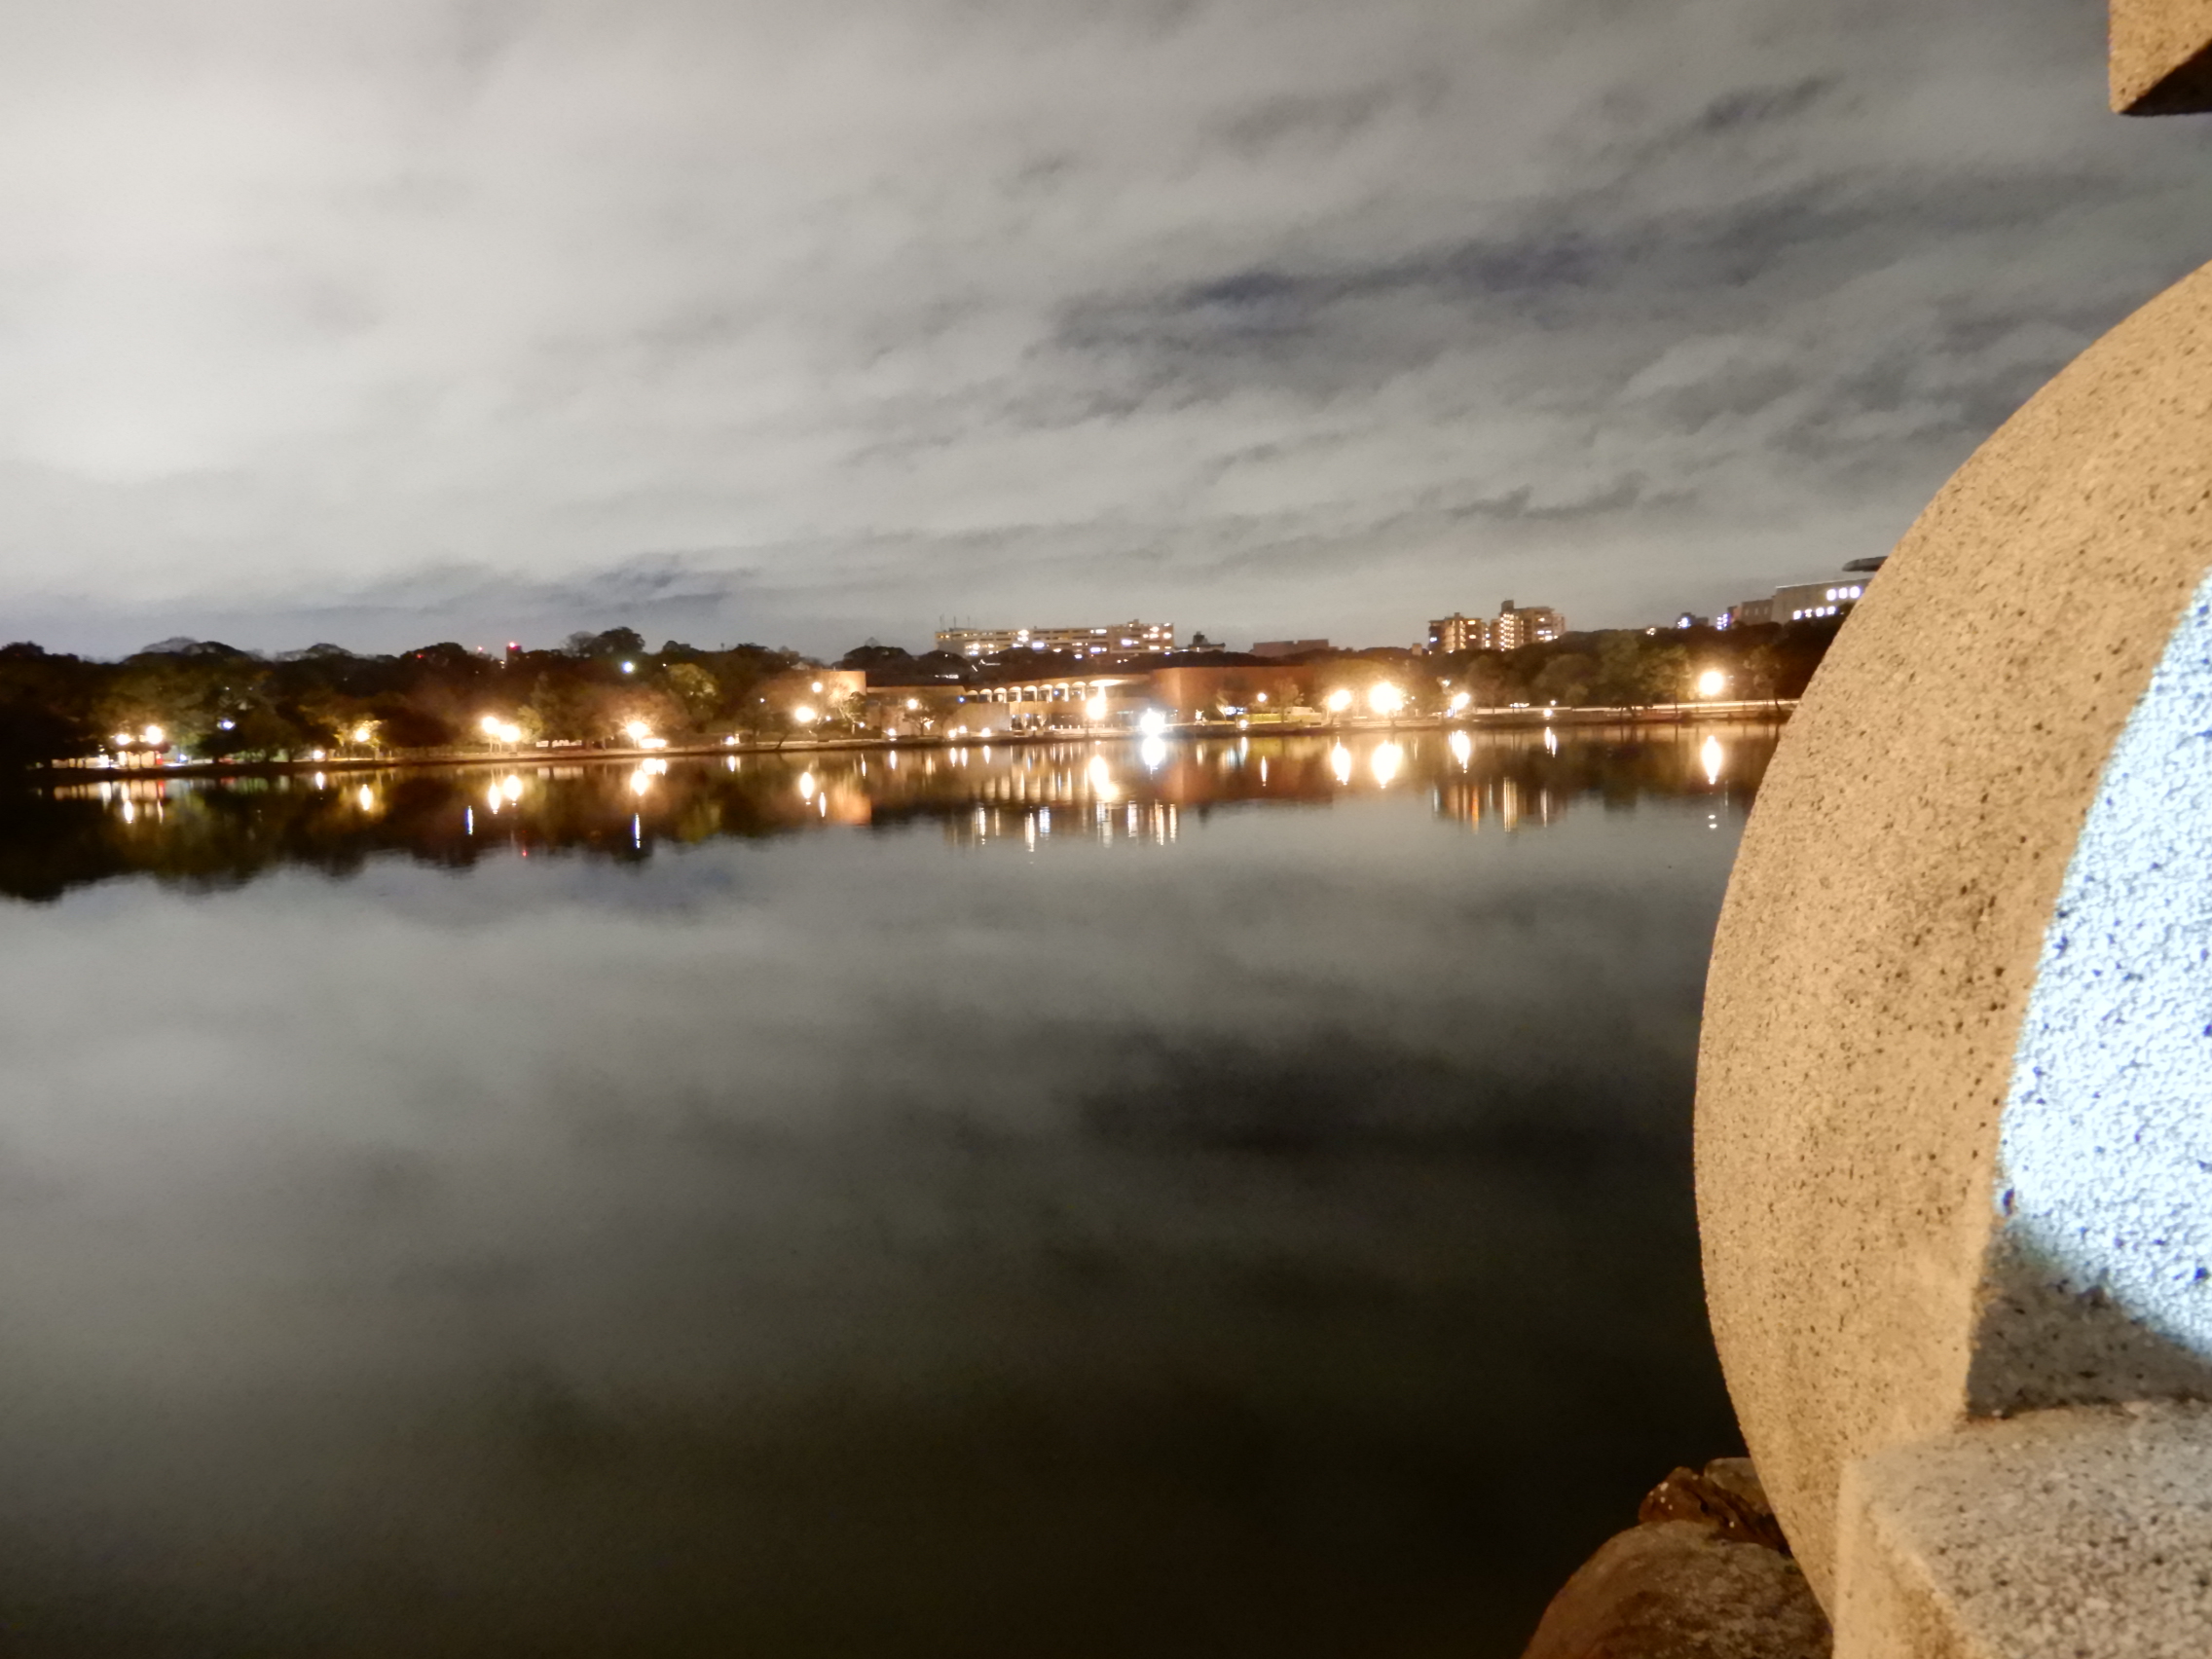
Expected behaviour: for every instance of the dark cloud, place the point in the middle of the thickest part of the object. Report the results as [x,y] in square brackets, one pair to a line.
[1751,105]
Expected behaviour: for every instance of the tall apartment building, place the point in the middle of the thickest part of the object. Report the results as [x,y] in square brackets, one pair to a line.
[1450,635]
[1111,640]
[1519,625]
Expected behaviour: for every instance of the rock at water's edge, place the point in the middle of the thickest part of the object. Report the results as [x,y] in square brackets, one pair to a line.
[1706,1576]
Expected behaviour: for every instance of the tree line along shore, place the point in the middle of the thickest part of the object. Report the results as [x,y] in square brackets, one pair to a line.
[192,700]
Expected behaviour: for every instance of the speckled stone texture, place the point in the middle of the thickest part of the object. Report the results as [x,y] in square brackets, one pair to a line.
[2059,1534]
[2100,1282]
[2161,56]
[1887,915]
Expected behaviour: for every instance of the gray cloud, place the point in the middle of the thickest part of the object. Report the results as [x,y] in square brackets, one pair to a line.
[447,319]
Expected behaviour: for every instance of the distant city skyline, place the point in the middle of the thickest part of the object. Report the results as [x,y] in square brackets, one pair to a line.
[473,319]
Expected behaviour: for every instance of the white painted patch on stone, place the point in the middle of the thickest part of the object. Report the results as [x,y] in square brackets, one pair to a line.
[2105,1150]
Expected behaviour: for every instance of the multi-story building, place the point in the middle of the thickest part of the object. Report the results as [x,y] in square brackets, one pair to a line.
[1515,626]
[1801,602]
[1110,640]
[1748,613]
[1519,625]
[1805,601]
[1447,636]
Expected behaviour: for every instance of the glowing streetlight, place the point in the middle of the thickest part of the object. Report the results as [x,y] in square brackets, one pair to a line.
[913,703]
[803,715]
[1384,698]
[1095,709]
[639,731]
[1339,701]
[364,733]
[1152,722]
[1711,682]
[121,740]
[629,668]
[816,687]
[152,735]
[1459,701]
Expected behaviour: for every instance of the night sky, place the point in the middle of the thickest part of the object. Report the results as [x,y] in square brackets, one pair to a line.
[391,321]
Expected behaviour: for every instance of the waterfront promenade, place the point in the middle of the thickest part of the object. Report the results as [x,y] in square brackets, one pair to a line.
[515,755]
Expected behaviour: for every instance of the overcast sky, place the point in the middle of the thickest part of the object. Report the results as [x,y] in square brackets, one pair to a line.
[388,320]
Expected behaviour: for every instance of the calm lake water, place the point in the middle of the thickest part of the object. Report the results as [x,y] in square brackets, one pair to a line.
[1207,1199]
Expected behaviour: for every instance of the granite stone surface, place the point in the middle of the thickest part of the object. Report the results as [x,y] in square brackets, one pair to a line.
[2161,56]
[2056,1535]
[1889,915]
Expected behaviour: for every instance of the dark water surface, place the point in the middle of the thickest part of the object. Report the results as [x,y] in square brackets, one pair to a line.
[1230,1198]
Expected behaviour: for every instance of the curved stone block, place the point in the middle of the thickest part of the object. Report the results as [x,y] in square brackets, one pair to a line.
[2161,56]
[1957,1057]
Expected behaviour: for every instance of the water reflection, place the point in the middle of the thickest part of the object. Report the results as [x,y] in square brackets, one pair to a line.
[229,830]
[1126,1199]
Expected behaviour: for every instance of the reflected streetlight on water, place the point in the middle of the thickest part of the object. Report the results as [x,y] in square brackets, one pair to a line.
[1340,763]
[1386,761]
